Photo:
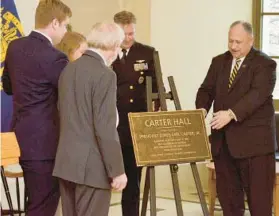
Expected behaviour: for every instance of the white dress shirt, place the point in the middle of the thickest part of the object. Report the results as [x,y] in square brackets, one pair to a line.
[120,54]
[234,62]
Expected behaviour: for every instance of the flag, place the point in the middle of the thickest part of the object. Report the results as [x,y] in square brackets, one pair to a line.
[11,29]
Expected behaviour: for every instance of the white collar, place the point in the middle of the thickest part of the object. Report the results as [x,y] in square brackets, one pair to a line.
[127,50]
[99,53]
[241,59]
[120,54]
[45,35]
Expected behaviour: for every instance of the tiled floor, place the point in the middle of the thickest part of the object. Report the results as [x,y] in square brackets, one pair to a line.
[165,206]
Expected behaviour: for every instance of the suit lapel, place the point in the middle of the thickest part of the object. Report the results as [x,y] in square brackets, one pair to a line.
[117,63]
[131,51]
[244,67]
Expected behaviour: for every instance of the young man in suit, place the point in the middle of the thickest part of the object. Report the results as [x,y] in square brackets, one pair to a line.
[89,160]
[133,64]
[32,69]
[240,82]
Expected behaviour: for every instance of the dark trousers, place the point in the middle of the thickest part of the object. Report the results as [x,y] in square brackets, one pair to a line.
[255,176]
[82,200]
[41,187]
[131,194]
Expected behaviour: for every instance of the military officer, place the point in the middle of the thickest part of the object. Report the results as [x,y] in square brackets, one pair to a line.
[134,63]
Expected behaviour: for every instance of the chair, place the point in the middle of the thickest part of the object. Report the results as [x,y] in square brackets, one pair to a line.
[9,155]
[16,176]
[213,194]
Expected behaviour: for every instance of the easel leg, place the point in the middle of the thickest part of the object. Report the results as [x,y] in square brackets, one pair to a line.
[145,192]
[176,191]
[7,191]
[152,192]
[212,194]
[199,188]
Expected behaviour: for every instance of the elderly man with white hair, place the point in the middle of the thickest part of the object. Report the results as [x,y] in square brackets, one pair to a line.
[89,161]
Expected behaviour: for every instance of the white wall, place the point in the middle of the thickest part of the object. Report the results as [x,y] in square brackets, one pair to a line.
[26,14]
[187,34]
[89,12]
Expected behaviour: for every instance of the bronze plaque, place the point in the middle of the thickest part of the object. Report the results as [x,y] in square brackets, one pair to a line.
[172,137]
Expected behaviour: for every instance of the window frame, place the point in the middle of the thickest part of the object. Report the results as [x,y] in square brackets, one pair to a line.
[257,21]
[258,15]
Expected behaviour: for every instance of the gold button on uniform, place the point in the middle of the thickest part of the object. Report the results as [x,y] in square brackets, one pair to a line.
[131,87]
[131,100]
[141,72]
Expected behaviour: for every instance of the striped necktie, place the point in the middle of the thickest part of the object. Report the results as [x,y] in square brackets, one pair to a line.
[234,72]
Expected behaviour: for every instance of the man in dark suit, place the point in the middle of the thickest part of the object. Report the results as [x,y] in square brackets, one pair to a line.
[32,69]
[133,64]
[240,82]
[89,160]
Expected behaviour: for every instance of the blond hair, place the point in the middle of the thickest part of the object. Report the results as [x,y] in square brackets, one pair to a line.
[70,43]
[49,10]
[105,36]
[125,18]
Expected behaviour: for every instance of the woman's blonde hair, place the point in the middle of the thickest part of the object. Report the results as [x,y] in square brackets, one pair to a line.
[70,43]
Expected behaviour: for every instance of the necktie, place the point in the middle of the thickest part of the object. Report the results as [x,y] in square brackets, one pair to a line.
[234,72]
[123,59]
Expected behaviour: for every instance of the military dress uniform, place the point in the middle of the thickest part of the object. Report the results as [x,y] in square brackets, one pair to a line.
[131,69]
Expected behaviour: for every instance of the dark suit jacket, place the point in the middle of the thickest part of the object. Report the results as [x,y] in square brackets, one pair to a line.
[250,98]
[131,91]
[32,69]
[89,151]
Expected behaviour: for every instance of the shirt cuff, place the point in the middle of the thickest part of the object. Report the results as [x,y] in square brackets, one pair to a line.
[231,113]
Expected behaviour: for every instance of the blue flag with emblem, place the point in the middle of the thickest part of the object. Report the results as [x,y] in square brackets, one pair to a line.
[11,29]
